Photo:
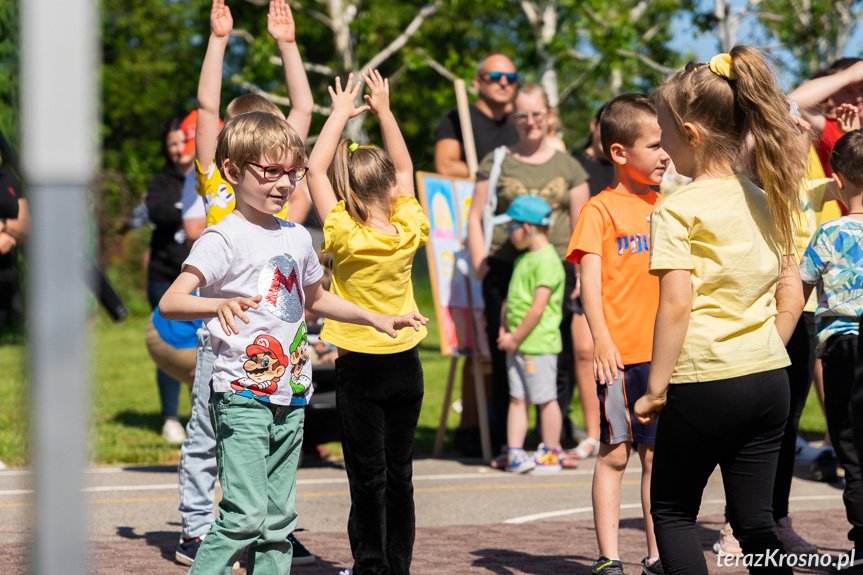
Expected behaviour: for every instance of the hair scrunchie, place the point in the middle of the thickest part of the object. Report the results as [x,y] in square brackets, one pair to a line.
[353,146]
[721,66]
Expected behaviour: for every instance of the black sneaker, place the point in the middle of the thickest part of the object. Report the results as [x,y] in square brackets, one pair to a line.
[654,568]
[606,566]
[187,550]
[302,556]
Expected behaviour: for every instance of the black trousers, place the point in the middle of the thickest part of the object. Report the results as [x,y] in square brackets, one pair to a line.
[843,403]
[801,350]
[734,423]
[378,400]
[494,290]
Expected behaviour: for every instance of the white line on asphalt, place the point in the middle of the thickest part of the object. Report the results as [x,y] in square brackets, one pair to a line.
[589,509]
[309,481]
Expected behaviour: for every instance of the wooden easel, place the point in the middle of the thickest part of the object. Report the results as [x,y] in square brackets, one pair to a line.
[475,359]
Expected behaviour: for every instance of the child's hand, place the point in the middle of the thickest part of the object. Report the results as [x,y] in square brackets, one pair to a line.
[648,407]
[390,324]
[235,307]
[221,22]
[506,342]
[280,22]
[606,362]
[379,99]
[847,118]
[344,101]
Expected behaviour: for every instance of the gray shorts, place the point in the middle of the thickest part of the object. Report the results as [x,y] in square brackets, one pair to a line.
[532,376]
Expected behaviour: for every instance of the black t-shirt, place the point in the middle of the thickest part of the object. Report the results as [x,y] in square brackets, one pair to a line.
[488,133]
[600,170]
[10,192]
[168,249]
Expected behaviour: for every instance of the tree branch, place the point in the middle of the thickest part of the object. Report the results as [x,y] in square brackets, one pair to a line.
[244,34]
[647,61]
[440,68]
[274,98]
[309,66]
[403,38]
[577,83]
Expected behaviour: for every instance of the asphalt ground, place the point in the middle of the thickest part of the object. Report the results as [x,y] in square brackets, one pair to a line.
[470,519]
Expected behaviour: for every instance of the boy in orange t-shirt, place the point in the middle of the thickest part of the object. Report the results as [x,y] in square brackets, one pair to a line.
[611,242]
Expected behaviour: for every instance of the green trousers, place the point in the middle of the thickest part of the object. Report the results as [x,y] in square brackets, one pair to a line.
[257,450]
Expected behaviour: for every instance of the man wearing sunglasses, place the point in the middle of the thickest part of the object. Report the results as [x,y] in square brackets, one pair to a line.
[496,81]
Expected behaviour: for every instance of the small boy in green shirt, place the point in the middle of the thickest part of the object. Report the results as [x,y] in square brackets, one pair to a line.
[530,335]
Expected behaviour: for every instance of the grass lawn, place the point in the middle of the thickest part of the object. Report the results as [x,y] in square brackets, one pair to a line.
[126,421]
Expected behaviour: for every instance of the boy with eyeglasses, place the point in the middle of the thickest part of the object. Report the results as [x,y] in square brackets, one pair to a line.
[530,334]
[263,271]
[197,471]
[496,81]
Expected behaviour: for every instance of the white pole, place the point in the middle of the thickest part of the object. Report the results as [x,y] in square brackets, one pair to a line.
[59,55]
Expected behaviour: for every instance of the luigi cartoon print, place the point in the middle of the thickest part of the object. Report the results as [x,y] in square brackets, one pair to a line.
[300,382]
[265,366]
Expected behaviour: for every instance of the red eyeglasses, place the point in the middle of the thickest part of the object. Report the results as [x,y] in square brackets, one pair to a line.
[275,173]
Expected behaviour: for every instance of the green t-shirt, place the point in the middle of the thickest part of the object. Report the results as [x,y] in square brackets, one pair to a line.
[532,270]
[550,181]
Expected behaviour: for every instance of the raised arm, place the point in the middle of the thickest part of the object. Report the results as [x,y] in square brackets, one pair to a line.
[809,94]
[280,25]
[210,84]
[320,188]
[379,102]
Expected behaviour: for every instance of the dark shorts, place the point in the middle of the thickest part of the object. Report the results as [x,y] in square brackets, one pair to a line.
[617,421]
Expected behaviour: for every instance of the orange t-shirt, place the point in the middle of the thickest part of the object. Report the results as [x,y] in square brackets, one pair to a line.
[616,227]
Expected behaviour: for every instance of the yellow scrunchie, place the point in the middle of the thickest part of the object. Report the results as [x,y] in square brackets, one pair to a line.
[721,66]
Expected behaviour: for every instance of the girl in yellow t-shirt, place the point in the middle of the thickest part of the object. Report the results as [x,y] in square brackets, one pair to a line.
[730,297]
[373,226]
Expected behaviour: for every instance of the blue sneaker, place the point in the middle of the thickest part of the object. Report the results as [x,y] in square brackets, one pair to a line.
[546,460]
[517,461]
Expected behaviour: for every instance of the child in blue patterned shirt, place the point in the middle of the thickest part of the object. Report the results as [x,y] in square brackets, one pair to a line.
[833,263]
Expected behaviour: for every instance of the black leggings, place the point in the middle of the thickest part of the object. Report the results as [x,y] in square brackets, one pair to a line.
[734,423]
[801,350]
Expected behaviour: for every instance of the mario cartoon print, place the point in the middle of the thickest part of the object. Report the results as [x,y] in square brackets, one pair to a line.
[299,357]
[265,366]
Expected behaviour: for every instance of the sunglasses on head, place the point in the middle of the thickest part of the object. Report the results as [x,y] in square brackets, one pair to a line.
[511,77]
[274,173]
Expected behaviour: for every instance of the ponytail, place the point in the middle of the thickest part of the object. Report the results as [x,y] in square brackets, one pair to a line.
[363,177]
[779,159]
[733,98]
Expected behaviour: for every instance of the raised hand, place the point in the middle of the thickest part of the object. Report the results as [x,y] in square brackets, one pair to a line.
[847,118]
[221,21]
[280,22]
[379,98]
[236,306]
[344,101]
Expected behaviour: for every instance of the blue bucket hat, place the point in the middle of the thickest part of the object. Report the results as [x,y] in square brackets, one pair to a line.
[528,209]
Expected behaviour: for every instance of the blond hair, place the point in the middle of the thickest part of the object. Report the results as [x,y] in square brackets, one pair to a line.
[363,178]
[532,90]
[726,111]
[254,135]
[251,103]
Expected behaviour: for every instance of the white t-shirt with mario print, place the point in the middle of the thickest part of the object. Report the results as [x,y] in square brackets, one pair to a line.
[269,359]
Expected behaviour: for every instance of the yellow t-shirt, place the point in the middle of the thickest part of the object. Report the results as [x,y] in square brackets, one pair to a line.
[373,269]
[218,194]
[722,231]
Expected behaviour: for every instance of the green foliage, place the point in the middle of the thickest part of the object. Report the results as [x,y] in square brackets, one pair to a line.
[814,31]
[10,69]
